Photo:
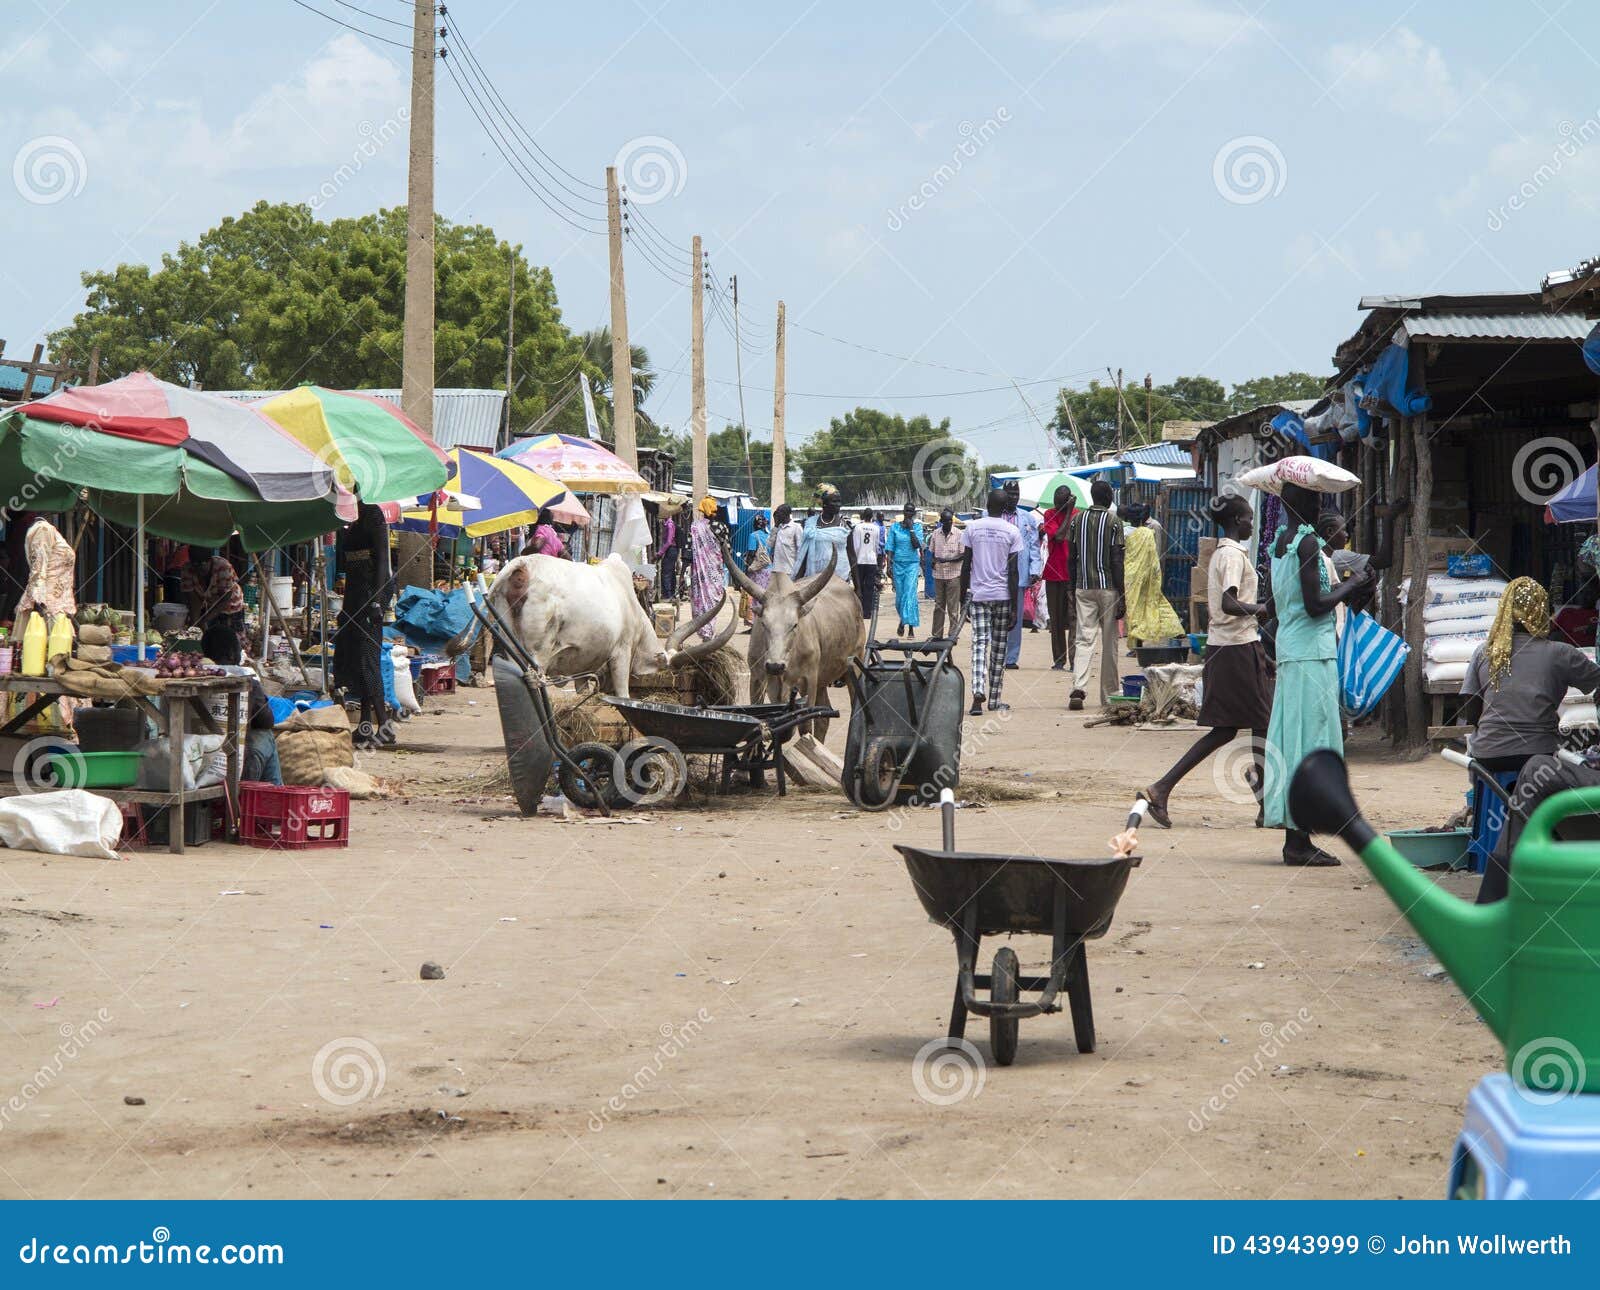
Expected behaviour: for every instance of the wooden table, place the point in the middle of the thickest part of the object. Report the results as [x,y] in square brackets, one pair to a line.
[182,711]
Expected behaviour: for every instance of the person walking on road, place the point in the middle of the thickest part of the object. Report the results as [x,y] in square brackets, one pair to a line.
[1096,564]
[990,575]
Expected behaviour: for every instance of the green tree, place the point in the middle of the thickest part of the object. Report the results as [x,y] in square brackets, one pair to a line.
[870,453]
[596,343]
[1186,398]
[1275,389]
[274,297]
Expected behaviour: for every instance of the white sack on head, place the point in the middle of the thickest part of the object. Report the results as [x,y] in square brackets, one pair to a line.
[1307,472]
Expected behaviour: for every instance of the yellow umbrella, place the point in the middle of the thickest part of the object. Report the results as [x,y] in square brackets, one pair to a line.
[507,495]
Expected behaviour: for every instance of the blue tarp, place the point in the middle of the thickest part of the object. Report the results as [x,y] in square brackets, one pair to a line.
[1591,350]
[1390,382]
[430,619]
[1291,427]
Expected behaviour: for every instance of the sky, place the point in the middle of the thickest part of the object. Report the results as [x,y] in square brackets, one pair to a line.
[984,193]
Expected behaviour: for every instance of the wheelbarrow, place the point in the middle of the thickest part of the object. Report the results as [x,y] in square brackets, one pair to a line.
[748,737]
[977,895]
[904,739]
[528,723]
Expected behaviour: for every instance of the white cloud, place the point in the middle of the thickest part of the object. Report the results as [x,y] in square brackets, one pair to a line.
[1402,72]
[1128,24]
[1399,251]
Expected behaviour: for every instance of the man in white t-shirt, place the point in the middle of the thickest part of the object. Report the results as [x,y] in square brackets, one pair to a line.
[865,548]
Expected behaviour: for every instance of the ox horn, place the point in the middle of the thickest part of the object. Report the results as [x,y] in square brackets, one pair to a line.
[741,579]
[812,587]
[683,631]
[699,649]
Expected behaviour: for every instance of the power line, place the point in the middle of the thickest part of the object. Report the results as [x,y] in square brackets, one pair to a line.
[545,199]
[340,22]
[475,69]
[934,394]
[369,14]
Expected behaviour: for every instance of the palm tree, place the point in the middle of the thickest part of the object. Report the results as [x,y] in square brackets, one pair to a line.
[597,349]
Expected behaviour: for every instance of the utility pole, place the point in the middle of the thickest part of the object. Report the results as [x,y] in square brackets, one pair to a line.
[1149,416]
[624,444]
[738,368]
[416,379]
[1119,407]
[511,342]
[780,466]
[697,371]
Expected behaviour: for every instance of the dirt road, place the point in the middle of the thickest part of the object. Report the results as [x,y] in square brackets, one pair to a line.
[723,1002]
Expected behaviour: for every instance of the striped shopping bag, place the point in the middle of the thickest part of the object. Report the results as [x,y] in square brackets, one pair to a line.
[1370,658]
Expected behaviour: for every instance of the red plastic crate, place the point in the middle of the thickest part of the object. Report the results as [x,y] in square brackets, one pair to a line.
[438,678]
[288,818]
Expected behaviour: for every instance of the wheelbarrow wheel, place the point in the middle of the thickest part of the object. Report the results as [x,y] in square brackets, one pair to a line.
[587,775]
[880,765]
[1003,989]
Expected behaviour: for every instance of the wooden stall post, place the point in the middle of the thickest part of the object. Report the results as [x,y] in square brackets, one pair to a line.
[1416,733]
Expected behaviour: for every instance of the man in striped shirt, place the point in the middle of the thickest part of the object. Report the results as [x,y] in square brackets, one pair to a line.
[1096,564]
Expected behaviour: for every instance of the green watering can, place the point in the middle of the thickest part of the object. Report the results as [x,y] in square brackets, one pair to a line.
[1530,964]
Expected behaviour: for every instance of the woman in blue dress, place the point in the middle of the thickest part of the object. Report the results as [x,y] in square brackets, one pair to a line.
[903,546]
[1305,702]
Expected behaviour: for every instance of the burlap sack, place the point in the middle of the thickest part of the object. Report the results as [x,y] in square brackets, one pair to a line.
[101,680]
[306,756]
[94,634]
[94,653]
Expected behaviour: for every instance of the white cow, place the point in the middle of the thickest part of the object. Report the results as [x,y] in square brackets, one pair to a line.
[575,618]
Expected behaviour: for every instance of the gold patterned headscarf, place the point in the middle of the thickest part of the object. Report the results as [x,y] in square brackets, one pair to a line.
[1526,605]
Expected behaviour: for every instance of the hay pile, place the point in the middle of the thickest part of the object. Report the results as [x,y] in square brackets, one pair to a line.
[723,676]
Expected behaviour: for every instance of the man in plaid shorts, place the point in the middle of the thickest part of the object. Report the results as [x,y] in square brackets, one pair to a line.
[991,549]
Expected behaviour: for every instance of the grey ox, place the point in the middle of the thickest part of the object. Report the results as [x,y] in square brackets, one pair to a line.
[804,636]
[576,618]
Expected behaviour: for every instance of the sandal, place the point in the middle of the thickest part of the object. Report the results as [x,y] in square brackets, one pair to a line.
[1155,812]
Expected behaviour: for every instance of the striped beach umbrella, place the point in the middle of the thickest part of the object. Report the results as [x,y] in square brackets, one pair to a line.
[581,464]
[373,448]
[505,494]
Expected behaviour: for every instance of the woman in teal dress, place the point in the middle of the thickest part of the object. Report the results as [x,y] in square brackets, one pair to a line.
[1305,703]
[903,546]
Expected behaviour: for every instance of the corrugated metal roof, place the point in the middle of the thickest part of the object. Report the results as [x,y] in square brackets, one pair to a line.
[1517,326]
[13,378]
[1158,454]
[466,418]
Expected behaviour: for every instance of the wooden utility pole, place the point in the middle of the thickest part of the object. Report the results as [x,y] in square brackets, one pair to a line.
[738,368]
[697,372]
[780,466]
[511,346]
[416,379]
[1119,408]
[624,444]
[1149,416]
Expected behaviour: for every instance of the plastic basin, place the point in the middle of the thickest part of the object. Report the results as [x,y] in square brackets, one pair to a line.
[93,770]
[1436,849]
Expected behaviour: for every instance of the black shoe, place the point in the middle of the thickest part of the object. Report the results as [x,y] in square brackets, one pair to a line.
[1075,703]
[1316,858]
[976,710]
[1058,667]
[1013,667]
[999,707]
[1157,813]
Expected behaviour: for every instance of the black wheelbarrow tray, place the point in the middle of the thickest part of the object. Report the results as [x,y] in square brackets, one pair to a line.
[748,737]
[977,895]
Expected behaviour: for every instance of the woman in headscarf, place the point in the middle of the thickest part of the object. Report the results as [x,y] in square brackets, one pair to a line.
[1150,617]
[823,533]
[1512,694]
[707,536]
[903,547]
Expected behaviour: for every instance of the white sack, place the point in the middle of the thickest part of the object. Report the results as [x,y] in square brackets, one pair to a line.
[69,822]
